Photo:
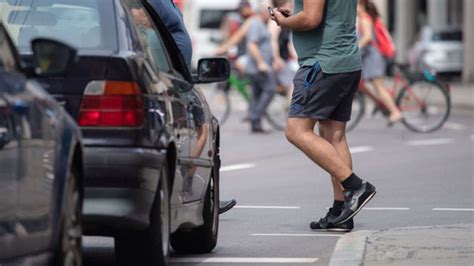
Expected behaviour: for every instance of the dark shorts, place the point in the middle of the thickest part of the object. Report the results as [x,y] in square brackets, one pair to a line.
[321,96]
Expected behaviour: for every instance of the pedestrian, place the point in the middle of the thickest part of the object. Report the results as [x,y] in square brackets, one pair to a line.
[373,63]
[259,68]
[174,22]
[324,35]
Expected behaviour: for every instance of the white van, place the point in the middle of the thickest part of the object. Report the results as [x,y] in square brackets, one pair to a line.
[203,19]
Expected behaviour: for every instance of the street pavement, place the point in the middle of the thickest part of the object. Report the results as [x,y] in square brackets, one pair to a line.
[421,180]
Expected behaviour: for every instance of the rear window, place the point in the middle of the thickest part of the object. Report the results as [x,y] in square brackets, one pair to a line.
[447,36]
[83,24]
[212,18]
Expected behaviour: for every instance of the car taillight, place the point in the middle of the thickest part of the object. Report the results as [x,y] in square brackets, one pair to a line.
[111,104]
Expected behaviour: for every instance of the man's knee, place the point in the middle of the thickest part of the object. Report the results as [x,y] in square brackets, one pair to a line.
[332,134]
[290,134]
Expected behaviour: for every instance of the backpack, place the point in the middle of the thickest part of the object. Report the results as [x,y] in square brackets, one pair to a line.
[383,41]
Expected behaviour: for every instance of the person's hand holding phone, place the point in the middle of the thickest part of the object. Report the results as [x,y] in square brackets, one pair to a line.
[278,14]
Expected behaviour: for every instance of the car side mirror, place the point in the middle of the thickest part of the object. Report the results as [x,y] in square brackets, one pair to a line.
[52,58]
[212,70]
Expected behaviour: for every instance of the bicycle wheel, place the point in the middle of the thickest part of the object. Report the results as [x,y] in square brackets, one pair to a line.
[425,105]
[219,101]
[277,112]
[358,110]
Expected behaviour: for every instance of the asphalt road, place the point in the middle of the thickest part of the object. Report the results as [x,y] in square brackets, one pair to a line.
[420,179]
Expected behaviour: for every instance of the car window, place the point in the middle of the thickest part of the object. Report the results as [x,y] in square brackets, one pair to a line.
[7,56]
[212,18]
[447,36]
[86,24]
[149,35]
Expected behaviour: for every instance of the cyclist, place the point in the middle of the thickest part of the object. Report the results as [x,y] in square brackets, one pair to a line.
[373,63]
[235,27]
[173,20]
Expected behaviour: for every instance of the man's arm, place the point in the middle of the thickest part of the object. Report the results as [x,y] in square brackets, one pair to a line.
[234,39]
[308,19]
[275,32]
[254,52]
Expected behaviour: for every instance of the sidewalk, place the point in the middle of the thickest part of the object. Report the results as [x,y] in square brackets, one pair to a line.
[430,245]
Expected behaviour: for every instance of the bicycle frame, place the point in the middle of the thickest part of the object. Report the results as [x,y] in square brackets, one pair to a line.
[399,83]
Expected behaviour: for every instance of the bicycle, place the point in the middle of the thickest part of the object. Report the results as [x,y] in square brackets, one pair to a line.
[221,103]
[424,101]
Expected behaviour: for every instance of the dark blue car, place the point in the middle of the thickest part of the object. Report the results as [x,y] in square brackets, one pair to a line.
[40,161]
[151,145]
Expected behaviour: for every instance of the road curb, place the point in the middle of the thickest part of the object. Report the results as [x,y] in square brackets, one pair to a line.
[350,249]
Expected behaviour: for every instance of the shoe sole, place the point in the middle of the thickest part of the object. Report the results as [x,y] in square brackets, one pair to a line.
[360,208]
[335,230]
[227,208]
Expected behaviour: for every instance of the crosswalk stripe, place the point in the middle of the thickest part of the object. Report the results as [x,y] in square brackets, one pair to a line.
[266,207]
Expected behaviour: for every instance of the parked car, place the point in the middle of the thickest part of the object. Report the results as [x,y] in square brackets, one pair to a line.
[439,49]
[151,155]
[40,161]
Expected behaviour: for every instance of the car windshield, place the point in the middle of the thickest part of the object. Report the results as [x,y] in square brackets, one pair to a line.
[447,36]
[83,24]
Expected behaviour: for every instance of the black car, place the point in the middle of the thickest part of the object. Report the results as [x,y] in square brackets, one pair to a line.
[40,161]
[151,144]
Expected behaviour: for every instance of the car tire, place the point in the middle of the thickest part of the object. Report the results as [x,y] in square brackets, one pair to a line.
[69,249]
[202,239]
[151,246]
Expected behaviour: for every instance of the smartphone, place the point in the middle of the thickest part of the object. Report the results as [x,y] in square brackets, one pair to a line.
[270,10]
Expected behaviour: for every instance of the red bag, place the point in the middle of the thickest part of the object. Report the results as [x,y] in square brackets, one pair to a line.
[383,41]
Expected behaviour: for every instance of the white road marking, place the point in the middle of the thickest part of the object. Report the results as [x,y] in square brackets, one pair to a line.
[385,209]
[454,126]
[236,167]
[429,142]
[472,137]
[266,207]
[361,149]
[244,260]
[453,209]
[299,235]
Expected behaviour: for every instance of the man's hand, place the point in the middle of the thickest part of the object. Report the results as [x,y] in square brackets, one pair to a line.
[220,51]
[278,16]
[278,64]
[263,68]
[285,11]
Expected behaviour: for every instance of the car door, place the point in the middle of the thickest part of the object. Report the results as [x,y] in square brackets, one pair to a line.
[9,168]
[11,83]
[165,85]
[196,167]
[35,118]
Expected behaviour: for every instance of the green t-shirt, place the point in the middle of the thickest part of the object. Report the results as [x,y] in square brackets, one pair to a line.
[333,44]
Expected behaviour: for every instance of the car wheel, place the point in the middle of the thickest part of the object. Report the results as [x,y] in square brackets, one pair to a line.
[151,246]
[69,251]
[202,239]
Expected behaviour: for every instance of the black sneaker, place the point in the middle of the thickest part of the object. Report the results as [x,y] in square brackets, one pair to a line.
[354,201]
[326,224]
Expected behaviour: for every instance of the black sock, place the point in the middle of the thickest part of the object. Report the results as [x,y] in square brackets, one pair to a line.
[337,207]
[353,182]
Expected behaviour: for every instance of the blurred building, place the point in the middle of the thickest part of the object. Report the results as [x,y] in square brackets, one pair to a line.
[406,17]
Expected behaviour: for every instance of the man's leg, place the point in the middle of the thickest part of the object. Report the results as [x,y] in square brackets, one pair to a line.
[268,85]
[335,133]
[300,132]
